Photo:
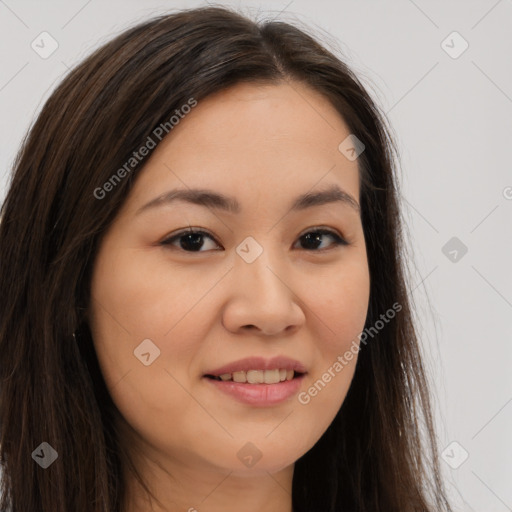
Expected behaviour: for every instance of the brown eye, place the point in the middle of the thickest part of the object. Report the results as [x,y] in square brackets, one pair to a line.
[314,237]
[189,240]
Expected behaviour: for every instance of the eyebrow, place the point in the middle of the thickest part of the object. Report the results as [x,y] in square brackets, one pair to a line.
[215,200]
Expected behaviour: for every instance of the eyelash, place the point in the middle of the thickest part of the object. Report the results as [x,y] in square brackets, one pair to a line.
[338,240]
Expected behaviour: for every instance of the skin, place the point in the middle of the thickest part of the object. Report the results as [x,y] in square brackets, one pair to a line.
[263,145]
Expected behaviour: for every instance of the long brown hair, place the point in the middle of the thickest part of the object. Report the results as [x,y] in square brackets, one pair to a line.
[379,453]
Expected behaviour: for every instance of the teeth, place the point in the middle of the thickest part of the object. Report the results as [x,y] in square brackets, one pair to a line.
[239,377]
[259,376]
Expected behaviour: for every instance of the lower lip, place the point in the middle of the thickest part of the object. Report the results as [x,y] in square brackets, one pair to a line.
[259,395]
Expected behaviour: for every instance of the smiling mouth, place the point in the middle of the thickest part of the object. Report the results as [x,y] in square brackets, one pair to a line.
[258,376]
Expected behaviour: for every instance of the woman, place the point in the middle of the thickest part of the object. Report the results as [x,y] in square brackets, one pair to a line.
[207,306]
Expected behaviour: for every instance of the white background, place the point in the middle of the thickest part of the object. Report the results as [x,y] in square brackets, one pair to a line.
[452,118]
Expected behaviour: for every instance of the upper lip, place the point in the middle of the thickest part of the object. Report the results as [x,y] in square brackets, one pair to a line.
[259,363]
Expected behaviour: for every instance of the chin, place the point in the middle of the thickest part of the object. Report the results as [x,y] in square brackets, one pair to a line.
[262,468]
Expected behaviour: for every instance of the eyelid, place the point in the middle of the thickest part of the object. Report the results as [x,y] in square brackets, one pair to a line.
[324,229]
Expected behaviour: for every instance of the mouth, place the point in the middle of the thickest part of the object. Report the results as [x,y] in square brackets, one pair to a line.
[258,381]
[274,376]
[258,388]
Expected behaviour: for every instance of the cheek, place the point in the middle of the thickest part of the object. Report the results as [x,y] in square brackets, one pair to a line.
[134,301]
[340,304]
[131,304]
[141,299]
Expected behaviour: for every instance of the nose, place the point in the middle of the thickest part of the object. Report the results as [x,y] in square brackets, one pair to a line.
[262,298]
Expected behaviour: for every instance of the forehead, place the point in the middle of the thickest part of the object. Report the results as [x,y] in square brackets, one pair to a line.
[269,140]
[253,116]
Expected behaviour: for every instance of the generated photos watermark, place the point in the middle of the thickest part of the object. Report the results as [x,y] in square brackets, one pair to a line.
[137,156]
[343,360]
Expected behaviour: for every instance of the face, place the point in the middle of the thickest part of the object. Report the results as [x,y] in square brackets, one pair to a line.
[263,280]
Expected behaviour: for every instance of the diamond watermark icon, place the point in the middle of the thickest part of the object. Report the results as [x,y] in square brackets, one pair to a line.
[454,455]
[147,352]
[45,455]
[351,147]
[454,45]
[249,249]
[44,45]
[249,454]
[454,249]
